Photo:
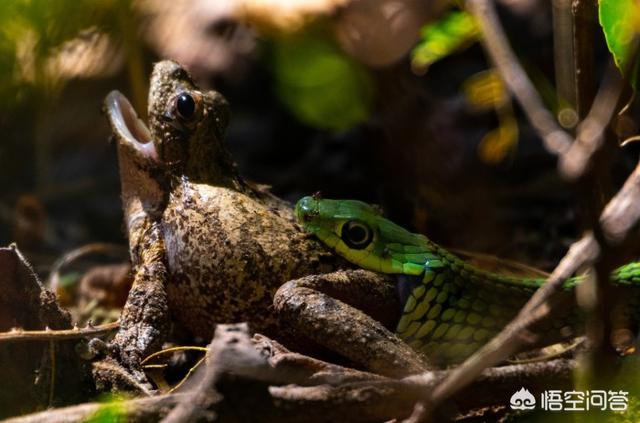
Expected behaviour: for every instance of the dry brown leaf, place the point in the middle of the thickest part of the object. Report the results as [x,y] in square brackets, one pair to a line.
[91,54]
[40,374]
[380,32]
[106,285]
[376,32]
[204,36]
[285,15]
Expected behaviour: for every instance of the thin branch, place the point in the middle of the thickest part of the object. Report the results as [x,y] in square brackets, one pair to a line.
[377,400]
[516,333]
[391,399]
[619,217]
[230,352]
[574,156]
[584,14]
[119,376]
[495,42]
[141,409]
[582,253]
[623,212]
[565,70]
[575,161]
[93,248]
[19,335]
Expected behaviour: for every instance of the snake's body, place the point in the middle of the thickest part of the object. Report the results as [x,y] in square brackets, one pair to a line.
[451,307]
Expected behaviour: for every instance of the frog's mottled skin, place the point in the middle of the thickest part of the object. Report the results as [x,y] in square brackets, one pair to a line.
[228,253]
[208,247]
[228,246]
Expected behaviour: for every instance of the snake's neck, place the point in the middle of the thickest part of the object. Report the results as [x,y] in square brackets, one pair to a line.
[446,261]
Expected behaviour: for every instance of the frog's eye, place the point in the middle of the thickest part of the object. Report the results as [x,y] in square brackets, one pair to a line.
[185,106]
[356,234]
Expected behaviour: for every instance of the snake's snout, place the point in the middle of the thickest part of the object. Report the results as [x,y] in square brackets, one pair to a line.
[306,209]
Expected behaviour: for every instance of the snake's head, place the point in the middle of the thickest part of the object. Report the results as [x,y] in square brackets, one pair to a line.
[358,232]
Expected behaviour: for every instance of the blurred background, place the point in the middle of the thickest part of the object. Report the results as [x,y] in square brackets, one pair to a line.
[387,101]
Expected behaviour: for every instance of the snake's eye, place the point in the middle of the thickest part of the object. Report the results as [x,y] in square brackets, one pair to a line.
[356,234]
[185,106]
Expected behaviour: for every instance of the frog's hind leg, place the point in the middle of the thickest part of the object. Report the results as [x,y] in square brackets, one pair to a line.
[349,312]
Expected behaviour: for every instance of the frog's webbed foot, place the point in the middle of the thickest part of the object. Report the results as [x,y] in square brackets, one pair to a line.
[144,322]
[110,375]
[327,309]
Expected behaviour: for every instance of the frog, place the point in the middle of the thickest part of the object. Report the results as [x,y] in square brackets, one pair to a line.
[208,246]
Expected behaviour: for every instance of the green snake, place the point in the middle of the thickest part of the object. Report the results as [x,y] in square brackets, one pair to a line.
[451,307]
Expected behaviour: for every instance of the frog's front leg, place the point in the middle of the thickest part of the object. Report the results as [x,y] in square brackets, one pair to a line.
[349,312]
[144,322]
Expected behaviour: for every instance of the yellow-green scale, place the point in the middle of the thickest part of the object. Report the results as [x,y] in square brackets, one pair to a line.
[450,314]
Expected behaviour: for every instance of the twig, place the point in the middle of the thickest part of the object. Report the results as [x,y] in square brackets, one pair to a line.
[52,372]
[391,399]
[17,335]
[575,161]
[563,55]
[584,252]
[93,248]
[620,216]
[495,42]
[172,350]
[378,400]
[616,236]
[574,156]
[229,351]
[515,334]
[150,409]
[623,211]
[304,370]
[109,370]
[584,13]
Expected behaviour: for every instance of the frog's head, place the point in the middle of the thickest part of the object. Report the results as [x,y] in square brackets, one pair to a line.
[358,232]
[186,125]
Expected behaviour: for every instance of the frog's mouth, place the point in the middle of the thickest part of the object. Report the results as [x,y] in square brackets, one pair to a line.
[127,125]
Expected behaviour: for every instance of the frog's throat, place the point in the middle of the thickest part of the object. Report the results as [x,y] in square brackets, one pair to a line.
[128,127]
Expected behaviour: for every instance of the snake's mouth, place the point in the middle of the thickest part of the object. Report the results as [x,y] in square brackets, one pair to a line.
[127,125]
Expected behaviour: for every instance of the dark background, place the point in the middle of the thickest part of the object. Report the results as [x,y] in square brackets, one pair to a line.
[416,153]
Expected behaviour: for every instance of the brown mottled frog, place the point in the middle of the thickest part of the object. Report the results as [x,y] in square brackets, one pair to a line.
[208,247]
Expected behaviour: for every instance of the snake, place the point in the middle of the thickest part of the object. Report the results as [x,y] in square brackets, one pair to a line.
[450,307]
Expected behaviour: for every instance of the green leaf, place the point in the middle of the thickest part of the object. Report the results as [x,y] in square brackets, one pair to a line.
[31,31]
[619,19]
[111,411]
[71,278]
[320,85]
[456,30]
